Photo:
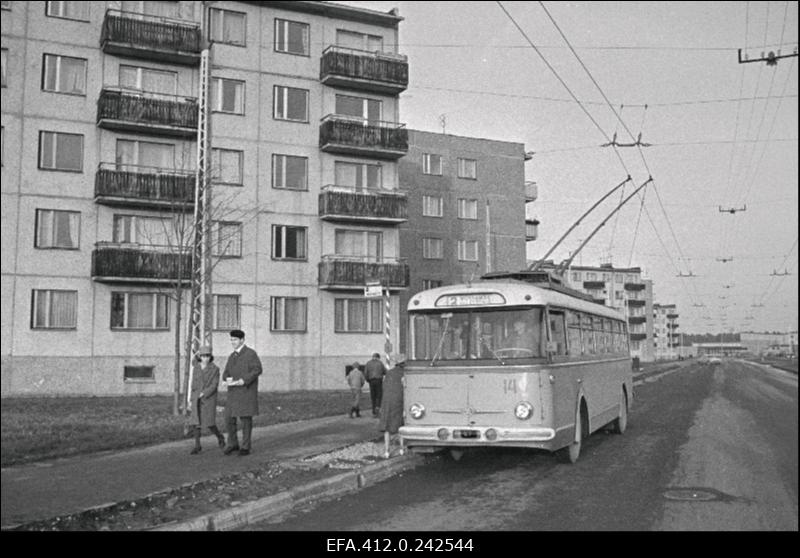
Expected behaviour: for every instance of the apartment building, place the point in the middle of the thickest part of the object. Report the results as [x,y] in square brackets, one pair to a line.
[99,151]
[624,289]
[466,205]
[666,338]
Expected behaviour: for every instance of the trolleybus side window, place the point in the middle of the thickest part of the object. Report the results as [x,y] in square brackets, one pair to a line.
[574,333]
[587,334]
[557,333]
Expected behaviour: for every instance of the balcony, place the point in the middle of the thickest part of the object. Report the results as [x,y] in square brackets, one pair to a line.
[531,229]
[672,316]
[634,286]
[346,204]
[638,336]
[144,187]
[377,72]
[636,303]
[137,264]
[349,136]
[673,325]
[531,191]
[151,38]
[352,272]
[127,110]
[594,285]
[599,300]
[637,319]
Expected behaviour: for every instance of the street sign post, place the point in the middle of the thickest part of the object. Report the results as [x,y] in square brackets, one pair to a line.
[373,290]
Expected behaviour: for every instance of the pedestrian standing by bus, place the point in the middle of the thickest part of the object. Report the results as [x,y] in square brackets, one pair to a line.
[355,379]
[241,376]
[205,382]
[391,417]
[375,371]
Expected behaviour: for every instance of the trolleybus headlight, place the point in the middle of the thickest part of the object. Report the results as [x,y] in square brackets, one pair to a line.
[491,434]
[523,410]
[417,411]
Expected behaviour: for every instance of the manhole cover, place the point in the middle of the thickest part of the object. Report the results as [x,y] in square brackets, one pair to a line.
[690,495]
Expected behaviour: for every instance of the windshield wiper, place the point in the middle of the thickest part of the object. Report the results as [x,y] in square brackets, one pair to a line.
[483,341]
[441,339]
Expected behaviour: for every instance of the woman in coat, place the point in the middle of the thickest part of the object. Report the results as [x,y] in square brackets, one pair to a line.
[355,379]
[391,415]
[205,381]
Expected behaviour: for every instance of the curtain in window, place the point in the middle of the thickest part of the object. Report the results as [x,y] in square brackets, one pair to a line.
[140,310]
[68,151]
[40,308]
[227,312]
[161,9]
[356,315]
[230,96]
[298,38]
[233,28]
[347,174]
[229,165]
[290,313]
[228,240]
[157,155]
[296,104]
[162,311]
[63,309]
[295,173]
[44,234]
[159,82]
[73,76]
[295,242]
[65,227]
[126,155]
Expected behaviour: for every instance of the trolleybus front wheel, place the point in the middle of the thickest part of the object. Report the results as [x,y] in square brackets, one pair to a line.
[621,423]
[571,453]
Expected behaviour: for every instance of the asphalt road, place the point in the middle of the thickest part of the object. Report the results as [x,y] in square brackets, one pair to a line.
[707,448]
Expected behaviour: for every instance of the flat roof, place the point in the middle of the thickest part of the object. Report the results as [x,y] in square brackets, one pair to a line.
[337,11]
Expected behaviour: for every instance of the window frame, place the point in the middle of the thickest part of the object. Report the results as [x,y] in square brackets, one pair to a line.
[48,306]
[273,300]
[285,156]
[461,248]
[427,242]
[286,89]
[37,240]
[125,311]
[215,304]
[64,3]
[151,379]
[426,199]
[374,311]
[58,59]
[462,204]
[307,26]
[426,164]
[284,229]
[216,85]
[224,11]
[216,239]
[140,70]
[461,172]
[55,144]
[219,150]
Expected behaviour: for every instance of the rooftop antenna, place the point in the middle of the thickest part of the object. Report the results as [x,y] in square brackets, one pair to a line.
[690,274]
[443,121]
[732,210]
[775,273]
[725,260]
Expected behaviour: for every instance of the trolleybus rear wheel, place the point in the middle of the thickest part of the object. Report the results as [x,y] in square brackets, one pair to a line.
[571,453]
[621,423]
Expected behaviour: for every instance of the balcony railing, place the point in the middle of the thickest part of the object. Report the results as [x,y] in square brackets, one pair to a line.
[151,37]
[130,110]
[342,203]
[134,263]
[638,336]
[346,272]
[377,72]
[141,186]
[637,319]
[633,302]
[634,286]
[673,326]
[531,191]
[344,134]
[531,229]
[594,284]
[672,316]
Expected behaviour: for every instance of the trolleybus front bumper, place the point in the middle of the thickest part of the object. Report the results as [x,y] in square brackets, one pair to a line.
[475,435]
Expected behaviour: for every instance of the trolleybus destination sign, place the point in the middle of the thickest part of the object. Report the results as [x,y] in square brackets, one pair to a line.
[473,299]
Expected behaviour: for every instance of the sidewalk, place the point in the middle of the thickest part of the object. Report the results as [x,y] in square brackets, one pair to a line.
[44,490]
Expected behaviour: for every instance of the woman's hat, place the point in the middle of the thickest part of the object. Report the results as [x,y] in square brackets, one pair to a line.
[204,350]
[356,364]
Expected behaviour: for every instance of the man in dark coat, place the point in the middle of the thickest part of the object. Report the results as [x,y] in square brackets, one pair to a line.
[374,371]
[241,377]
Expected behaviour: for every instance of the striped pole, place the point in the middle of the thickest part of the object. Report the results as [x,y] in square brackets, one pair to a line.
[387,326]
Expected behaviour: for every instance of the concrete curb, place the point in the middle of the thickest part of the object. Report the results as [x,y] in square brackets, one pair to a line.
[270,506]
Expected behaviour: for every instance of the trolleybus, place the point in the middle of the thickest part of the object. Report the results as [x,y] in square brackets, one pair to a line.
[513,360]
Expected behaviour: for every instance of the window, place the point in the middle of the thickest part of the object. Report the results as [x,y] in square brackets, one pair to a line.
[432,206]
[139,311]
[4,67]
[153,8]
[134,153]
[364,245]
[52,309]
[574,333]
[138,373]
[288,314]
[357,315]
[432,248]
[228,27]
[358,176]
[227,166]
[291,37]
[359,107]
[576,276]
[226,239]
[289,172]
[69,10]
[60,151]
[57,229]
[290,104]
[226,312]
[468,250]
[431,164]
[64,74]
[227,95]
[147,79]
[359,41]
[289,243]
[617,278]
[147,231]
[557,332]
[467,209]
[467,168]
[618,295]
[431,284]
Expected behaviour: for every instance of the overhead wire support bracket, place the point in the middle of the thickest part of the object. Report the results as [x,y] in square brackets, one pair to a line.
[771,57]
[732,210]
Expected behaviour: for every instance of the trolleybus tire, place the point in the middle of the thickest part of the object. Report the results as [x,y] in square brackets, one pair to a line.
[571,453]
[621,422]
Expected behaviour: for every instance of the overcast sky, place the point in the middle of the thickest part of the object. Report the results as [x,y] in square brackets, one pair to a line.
[722,134]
